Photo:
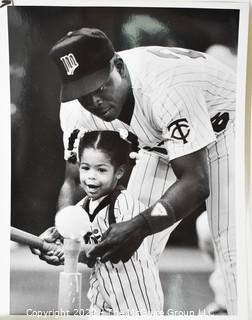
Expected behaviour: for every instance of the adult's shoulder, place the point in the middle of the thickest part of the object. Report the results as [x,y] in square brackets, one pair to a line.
[142,66]
[133,53]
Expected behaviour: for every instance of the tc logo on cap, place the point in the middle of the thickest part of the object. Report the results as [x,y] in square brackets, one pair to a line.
[69,63]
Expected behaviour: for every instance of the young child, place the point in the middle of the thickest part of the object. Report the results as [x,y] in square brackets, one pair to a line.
[129,288]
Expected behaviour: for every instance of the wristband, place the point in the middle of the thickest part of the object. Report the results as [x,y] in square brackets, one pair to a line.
[159,217]
[169,210]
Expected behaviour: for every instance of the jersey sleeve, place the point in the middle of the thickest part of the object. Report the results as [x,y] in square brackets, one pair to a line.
[182,117]
[126,207]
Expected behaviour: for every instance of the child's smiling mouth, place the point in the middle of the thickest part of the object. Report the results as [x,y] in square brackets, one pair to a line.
[92,188]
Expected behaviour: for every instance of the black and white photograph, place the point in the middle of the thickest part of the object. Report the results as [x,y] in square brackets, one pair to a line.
[126,160]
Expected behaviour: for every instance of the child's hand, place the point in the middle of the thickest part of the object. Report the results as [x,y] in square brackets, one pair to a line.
[56,258]
[59,253]
[84,258]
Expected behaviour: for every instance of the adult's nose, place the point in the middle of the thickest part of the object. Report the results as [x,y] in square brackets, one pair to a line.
[96,100]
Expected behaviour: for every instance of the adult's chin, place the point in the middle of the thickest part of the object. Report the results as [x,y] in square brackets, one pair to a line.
[108,116]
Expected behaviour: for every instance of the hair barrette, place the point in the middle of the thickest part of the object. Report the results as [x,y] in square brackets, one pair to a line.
[136,155]
[71,154]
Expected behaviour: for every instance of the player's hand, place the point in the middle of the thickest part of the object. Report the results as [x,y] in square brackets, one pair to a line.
[83,258]
[55,257]
[121,240]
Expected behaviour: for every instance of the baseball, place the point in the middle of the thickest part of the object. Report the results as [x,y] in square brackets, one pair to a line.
[72,222]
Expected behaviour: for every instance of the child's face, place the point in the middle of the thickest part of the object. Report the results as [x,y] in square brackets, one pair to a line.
[98,177]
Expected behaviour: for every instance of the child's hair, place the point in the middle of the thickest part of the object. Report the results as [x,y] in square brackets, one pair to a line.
[110,142]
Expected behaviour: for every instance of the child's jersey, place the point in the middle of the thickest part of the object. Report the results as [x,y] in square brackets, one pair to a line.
[123,288]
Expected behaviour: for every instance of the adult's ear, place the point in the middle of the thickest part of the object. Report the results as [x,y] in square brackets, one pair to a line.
[119,64]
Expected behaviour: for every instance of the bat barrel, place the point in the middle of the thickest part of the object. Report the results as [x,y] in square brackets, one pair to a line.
[26,238]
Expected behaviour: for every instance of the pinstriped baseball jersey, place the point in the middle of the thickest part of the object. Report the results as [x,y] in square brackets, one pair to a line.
[177,92]
[124,288]
[184,101]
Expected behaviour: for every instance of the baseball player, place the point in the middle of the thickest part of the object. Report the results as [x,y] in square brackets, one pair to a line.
[180,105]
[132,287]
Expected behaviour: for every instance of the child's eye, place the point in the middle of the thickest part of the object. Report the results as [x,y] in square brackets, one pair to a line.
[102,170]
[84,168]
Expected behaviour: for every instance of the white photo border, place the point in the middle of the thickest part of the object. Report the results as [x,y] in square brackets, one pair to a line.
[5,191]
[240,172]
[249,161]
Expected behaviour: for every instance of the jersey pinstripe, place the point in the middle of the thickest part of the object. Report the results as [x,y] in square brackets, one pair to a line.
[221,210]
[184,101]
[124,288]
[149,179]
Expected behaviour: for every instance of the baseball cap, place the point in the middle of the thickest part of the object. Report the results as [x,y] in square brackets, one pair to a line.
[83,60]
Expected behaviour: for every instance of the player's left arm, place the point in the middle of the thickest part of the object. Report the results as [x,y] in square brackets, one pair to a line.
[186,195]
[121,240]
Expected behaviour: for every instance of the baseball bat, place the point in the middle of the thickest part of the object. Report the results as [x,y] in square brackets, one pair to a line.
[31,240]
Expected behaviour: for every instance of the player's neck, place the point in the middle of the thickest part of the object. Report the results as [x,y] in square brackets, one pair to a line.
[128,107]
